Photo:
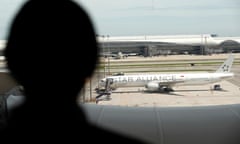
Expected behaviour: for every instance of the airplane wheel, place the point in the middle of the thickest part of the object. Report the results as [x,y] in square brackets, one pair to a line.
[167,90]
[217,87]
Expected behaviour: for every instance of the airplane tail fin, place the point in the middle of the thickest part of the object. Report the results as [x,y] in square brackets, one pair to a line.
[226,66]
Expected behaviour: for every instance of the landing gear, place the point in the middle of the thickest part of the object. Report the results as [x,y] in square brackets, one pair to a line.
[166,89]
[217,87]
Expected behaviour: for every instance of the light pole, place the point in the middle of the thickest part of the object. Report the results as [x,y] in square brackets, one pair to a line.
[98,73]
[108,57]
[152,5]
[202,45]
[103,47]
[205,45]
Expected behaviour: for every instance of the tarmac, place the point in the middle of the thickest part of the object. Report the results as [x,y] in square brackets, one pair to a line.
[181,96]
[201,95]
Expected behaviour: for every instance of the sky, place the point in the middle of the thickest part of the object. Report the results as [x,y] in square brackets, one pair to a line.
[150,17]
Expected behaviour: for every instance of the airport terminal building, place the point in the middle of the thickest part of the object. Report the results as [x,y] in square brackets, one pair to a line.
[204,44]
[169,44]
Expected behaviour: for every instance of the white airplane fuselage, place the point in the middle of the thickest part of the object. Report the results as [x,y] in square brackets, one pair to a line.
[167,81]
[154,80]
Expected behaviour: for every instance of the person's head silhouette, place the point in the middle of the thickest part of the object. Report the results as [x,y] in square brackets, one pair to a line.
[51,49]
[51,52]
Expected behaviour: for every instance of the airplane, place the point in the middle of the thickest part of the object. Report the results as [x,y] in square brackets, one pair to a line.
[119,55]
[165,82]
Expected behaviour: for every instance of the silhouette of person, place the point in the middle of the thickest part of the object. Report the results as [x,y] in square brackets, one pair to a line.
[51,52]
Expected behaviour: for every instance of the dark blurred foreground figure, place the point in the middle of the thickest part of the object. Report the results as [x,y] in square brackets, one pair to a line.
[51,52]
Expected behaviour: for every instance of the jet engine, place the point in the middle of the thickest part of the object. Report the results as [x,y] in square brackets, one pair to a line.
[152,86]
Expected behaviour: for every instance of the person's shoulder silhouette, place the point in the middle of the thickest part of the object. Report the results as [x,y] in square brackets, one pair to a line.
[51,51]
